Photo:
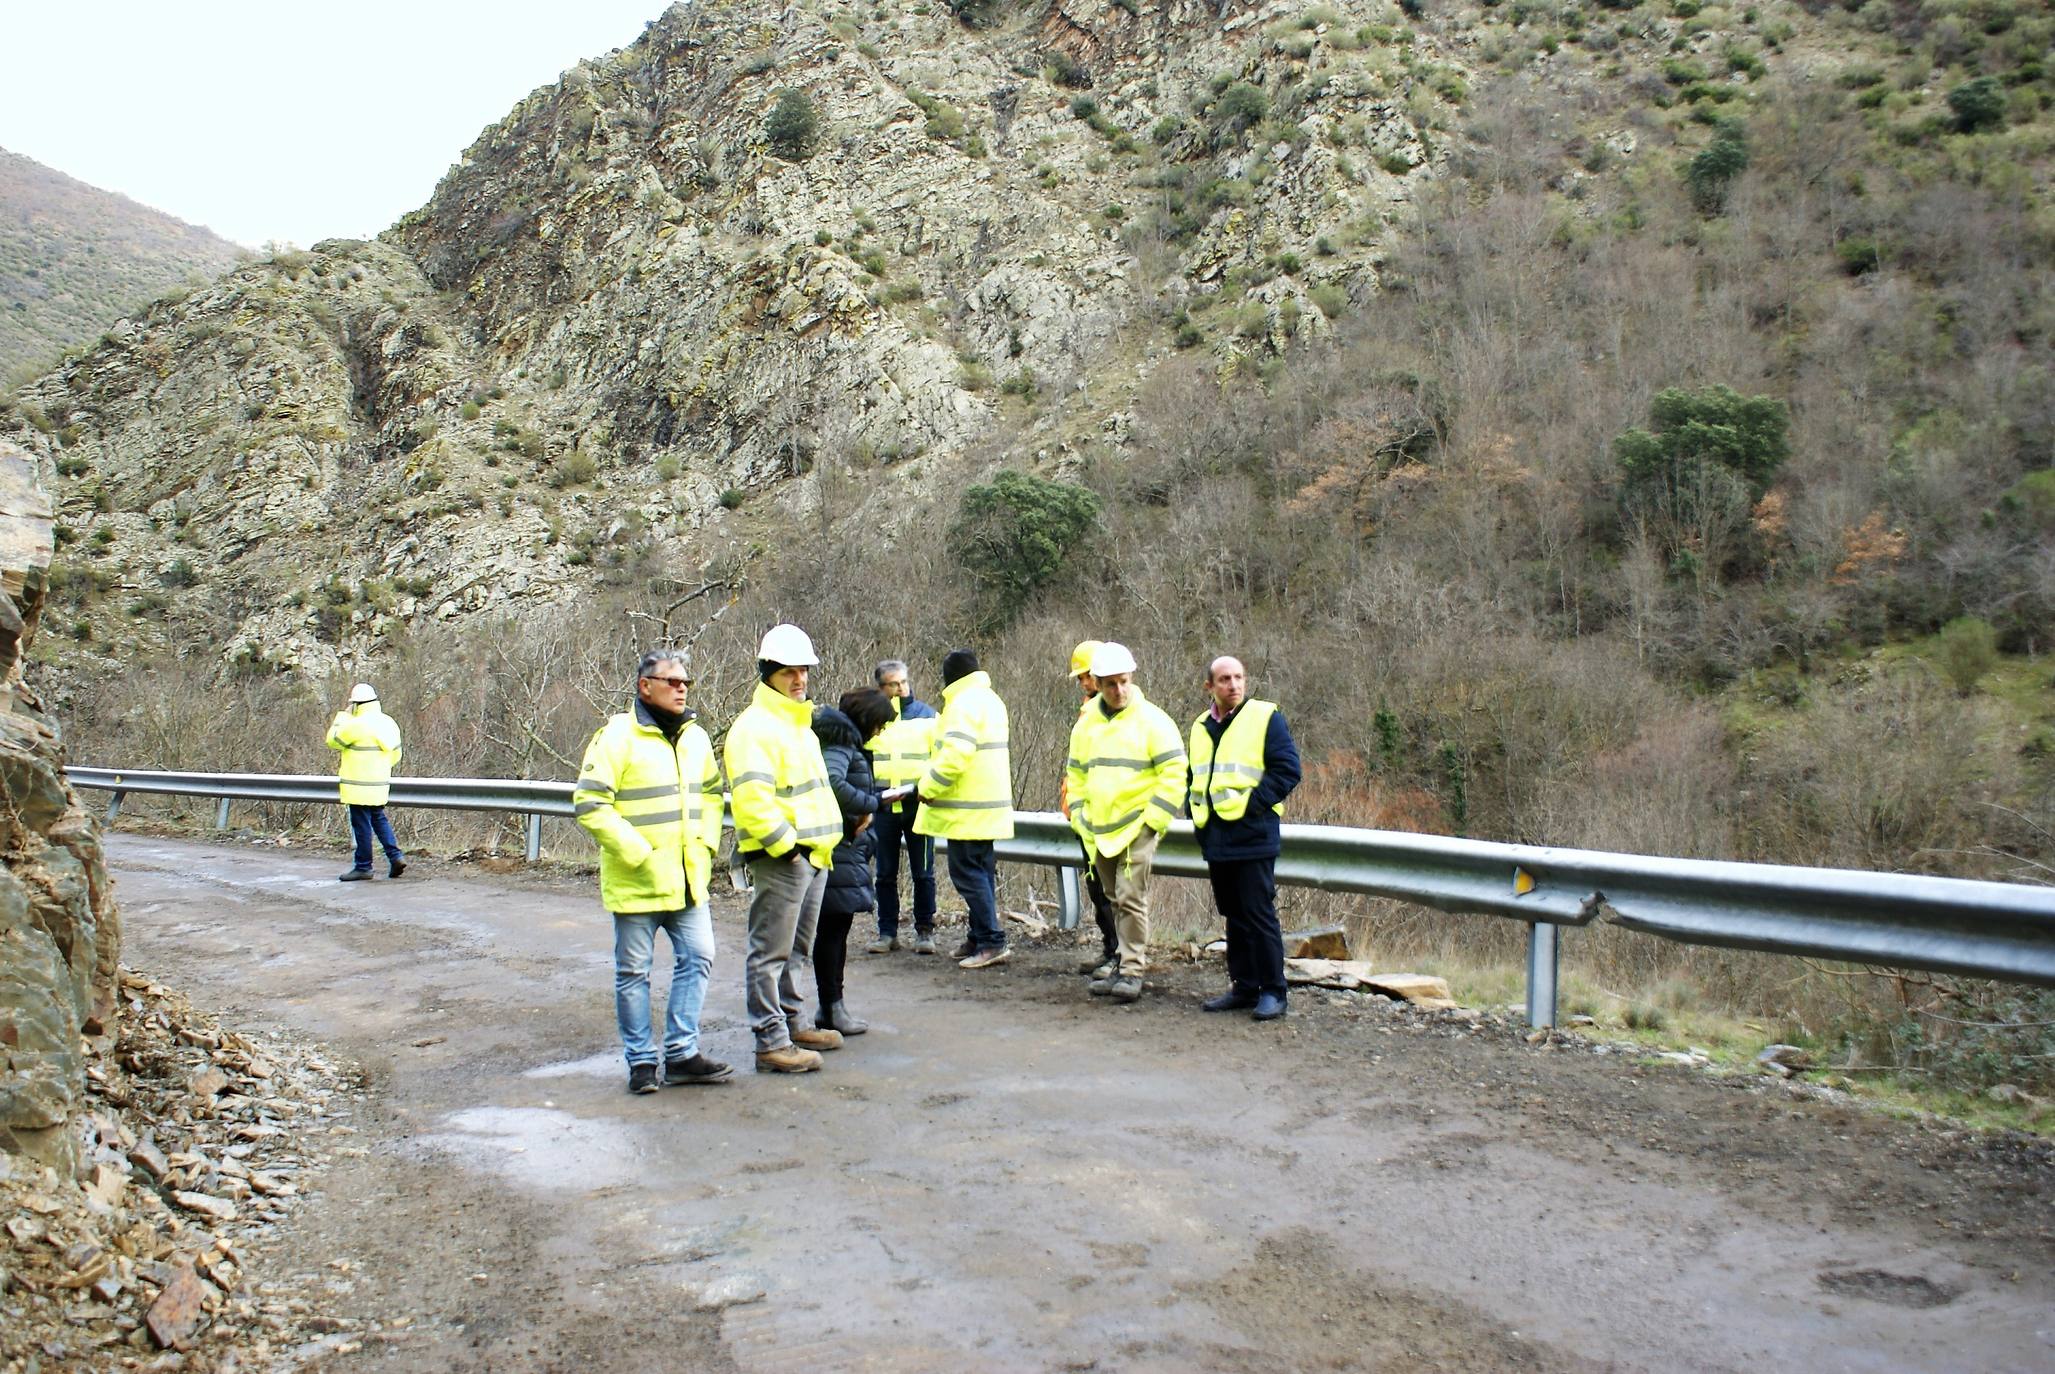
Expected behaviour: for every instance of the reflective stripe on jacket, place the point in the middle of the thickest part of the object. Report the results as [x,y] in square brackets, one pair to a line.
[1126,771]
[777,781]
[967,791]
[900,752]
[655,809]
[369,742]
[1221,783]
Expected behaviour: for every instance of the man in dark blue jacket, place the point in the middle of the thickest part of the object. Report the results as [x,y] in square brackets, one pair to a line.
[1244,764]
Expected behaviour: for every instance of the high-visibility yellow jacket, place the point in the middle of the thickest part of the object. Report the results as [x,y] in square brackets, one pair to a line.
[778,783]
[1126,771]
[369,742]
[1063,791]
[655,808]
[900,752]
[1222,781]
[967,791]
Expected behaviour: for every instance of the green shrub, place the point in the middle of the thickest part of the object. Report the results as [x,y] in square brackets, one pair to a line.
[1692,478]
[794,127]
[1012,536]
[1084,107]
[179,574]
[471,410]
[1858,254]
[1066,70]
[1329,299]
[1978,104]
[1966,649]
[1021,383]
[1712,172]
[731,498]
[1240,107]
[573,469]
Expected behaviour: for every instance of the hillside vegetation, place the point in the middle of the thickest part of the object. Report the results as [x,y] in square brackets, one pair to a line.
[74,259]
[1624,426]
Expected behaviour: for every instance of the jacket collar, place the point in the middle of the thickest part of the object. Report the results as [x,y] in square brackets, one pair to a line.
[648,722]
[796,713]
[980,678]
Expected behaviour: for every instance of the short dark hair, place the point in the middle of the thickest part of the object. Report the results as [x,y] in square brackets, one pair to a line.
[870,709]
[958,663]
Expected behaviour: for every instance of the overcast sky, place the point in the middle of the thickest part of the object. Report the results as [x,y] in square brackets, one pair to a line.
[284,120]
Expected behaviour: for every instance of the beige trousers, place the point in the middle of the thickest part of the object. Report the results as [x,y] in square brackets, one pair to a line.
[1125,879]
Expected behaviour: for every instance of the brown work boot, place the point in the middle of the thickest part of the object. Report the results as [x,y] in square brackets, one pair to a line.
[787,1059]
[815,1038]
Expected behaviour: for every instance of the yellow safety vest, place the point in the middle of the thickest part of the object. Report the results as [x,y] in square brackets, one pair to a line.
[1126,771]
[900,751]
[967,791]
[369,742]
[655,809]
[1221,783]
[777,781]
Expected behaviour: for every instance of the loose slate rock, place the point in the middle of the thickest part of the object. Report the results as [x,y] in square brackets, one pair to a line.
[1321,942]
[216,1208]
[180,1310]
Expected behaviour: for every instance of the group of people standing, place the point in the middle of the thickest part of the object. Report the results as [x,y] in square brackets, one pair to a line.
[824,796]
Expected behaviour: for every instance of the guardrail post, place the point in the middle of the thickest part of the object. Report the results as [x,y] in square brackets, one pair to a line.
[1066,898]
[114,807]
[534,836]
[1542,965]
[221,815]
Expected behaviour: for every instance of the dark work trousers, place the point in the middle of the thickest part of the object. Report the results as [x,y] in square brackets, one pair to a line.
[1102,909]
[830,953]
[894,828]
[368,823]
[1246,892]
[974,872]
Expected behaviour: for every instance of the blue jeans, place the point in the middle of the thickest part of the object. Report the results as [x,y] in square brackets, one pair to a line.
[365,822]
[892,829]
[692,955]
[974,873]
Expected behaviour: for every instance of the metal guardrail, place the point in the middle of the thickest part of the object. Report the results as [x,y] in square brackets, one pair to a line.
[1949,925]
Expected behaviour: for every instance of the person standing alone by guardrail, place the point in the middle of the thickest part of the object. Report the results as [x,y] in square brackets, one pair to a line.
[1244,764]
[649,792]
[1126,784]
[368,742]
[786,829]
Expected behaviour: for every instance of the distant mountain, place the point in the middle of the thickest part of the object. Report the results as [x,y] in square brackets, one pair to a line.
[74,259]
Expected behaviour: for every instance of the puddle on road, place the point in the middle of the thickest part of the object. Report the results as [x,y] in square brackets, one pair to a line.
[538,1148]
[605,1064]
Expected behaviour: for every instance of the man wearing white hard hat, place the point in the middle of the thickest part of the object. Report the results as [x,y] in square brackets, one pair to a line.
[1126,784]
[369,745]
[786,827]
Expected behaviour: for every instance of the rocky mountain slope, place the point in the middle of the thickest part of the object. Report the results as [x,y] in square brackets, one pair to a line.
[74,258]
[625,317]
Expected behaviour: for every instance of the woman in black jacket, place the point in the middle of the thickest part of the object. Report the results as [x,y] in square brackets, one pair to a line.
[851,890]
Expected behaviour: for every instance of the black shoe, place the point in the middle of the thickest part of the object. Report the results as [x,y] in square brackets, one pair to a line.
[399,866]
[1234,999]
[355,875]
[696,1068]
[642,1078]
[1269,1006]
[965,950]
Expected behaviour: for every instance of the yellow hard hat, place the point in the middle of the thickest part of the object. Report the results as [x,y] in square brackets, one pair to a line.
[1081,656]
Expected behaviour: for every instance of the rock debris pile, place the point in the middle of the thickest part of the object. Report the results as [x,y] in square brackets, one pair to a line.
[197,1141]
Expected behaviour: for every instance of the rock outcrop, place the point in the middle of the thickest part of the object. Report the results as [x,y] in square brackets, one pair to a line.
[60,937]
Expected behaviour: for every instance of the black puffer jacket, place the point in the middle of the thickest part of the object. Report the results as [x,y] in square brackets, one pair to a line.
[851,888]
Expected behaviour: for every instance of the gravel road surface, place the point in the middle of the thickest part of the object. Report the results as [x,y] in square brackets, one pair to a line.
[1008,1175]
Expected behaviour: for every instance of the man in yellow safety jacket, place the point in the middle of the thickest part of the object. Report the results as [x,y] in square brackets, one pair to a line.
[1106,962]
[786,828]
[899,758]
[368,742]
[649,792]
[1244,764]
[1126,783]
[966,798]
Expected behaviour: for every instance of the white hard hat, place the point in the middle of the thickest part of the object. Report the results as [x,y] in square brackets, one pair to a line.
[1112,658]
[788,647]
[362,693]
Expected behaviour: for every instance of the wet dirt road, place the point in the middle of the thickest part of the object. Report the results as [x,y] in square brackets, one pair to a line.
[1006,1175]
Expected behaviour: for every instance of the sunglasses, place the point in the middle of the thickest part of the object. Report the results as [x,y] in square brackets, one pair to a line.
[671,681]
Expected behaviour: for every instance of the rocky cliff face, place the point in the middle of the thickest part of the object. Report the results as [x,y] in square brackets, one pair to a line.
[625,320]
[60,937]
